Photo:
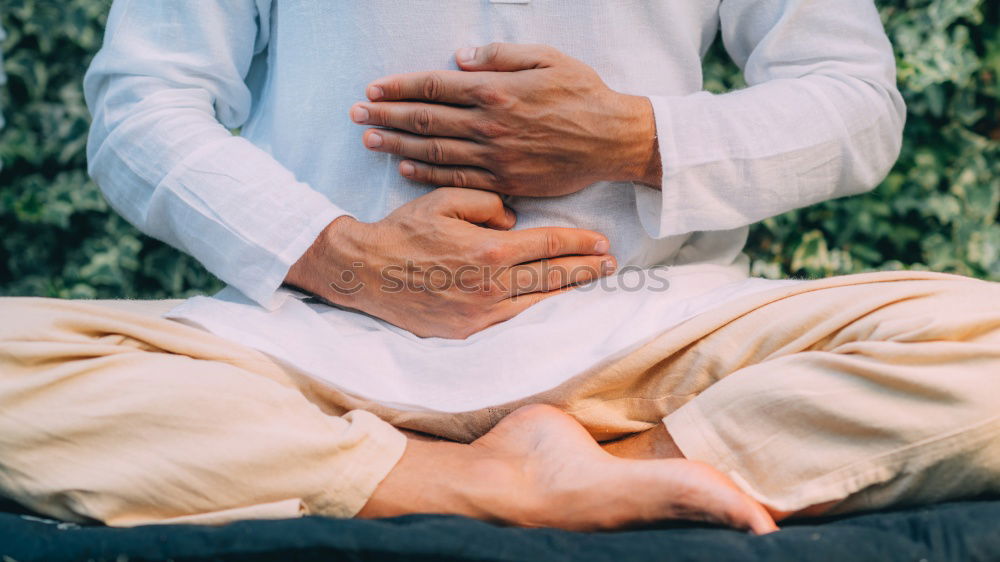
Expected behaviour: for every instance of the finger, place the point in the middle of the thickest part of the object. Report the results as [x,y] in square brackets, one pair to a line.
[433,150]
[421,118]
[509,308]
[475,206]
[534,244]
[548,275]
[438,86]
[506,57]
[453,176]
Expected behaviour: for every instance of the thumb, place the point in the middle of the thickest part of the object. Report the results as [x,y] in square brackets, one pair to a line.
[476,206]
[506,57]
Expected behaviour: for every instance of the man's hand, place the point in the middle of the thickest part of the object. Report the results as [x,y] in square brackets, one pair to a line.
[539,467]
[519,119]
[446,264]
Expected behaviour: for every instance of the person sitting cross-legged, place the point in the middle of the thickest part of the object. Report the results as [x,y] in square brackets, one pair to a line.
[485,258]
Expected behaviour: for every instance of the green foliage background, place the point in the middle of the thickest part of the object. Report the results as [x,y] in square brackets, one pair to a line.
[938,208]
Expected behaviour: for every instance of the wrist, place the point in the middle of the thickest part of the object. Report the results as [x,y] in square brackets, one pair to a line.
[638,157]
[327,263]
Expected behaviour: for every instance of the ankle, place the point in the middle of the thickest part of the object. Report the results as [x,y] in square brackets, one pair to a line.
[496,488]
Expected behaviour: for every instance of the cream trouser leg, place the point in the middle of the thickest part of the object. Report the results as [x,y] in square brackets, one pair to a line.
[883,394]
[110,413]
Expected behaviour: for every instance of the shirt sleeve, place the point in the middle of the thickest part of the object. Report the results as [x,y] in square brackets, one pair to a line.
[821,118]
[164,91]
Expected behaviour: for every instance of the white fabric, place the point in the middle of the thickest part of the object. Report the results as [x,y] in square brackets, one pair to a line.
[822,118]
[557,339]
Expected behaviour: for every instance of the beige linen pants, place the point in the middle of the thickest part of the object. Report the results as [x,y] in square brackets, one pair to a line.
[872,390]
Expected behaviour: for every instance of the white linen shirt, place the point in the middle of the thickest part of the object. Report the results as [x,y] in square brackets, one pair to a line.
[821,117]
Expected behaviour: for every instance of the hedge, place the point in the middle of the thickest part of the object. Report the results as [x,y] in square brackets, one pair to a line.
[937,209]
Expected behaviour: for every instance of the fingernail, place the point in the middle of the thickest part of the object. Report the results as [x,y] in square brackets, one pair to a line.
[602,246]
[373,140]
[608,267]
[407,169]
[375,93]
[359,114]
[466,54]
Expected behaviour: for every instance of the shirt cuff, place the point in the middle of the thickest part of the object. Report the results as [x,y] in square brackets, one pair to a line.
[264,290]
[653,205]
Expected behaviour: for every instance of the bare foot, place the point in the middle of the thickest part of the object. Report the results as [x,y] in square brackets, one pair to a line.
[657,443]
[573,484]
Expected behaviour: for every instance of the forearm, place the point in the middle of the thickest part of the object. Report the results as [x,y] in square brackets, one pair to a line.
[821,118]
[165,90]
[226,203]
[734,159]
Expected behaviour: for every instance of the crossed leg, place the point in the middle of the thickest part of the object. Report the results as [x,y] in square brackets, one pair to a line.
[128,419]
[849,398]
[857,393]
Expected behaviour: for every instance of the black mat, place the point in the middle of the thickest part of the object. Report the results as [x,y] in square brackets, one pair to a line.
[962,531]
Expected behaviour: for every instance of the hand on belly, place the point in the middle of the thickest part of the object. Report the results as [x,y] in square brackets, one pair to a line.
[522,120]
[447,264]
